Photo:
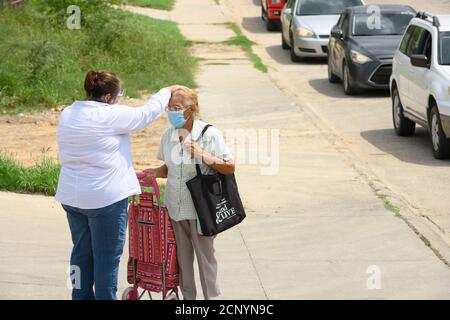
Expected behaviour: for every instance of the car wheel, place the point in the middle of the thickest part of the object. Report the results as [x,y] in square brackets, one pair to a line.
[331,76]
[284,44]
[294,56]
[349,89]
[441,145]
[403,126]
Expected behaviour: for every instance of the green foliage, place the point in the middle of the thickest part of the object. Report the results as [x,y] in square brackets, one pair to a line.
[45,63]
[156,4]
[246,44]
[40,178]
[10,173]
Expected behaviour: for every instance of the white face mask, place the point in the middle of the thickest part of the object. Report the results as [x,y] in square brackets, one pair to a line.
[177,119]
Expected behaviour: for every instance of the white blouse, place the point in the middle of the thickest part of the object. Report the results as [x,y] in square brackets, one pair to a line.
[181,167]
[95,151]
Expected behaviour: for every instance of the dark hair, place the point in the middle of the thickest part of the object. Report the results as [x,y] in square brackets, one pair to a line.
[100,83]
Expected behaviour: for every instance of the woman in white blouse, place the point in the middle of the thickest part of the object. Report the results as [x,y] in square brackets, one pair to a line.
[181,147]
[97,177]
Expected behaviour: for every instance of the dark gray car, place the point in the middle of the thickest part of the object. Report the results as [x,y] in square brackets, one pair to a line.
[363,43]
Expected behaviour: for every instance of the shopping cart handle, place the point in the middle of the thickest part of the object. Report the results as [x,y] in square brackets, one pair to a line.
[153,183]
[142,175]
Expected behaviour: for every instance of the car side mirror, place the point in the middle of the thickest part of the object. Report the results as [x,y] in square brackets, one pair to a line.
[420,60]
[336,32]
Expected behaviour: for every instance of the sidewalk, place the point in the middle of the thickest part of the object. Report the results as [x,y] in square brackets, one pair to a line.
[312,232]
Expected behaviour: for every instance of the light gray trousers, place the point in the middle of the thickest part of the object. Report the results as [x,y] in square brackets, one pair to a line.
[188,242]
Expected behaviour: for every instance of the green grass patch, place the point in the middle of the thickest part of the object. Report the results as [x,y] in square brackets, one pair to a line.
[41,178]
[389,206]
[394,209]
[246,44]
[44,63]
[156,4]
[257,62]
[240,39]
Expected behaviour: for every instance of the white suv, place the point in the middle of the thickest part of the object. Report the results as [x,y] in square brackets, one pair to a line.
[420,81]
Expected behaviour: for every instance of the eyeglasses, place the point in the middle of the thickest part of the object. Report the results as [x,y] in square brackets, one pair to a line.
[176,108]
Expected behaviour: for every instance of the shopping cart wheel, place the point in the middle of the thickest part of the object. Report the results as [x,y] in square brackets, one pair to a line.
[130,293]
[171,297]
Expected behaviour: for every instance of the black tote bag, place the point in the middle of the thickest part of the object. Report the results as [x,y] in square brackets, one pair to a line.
[216,199]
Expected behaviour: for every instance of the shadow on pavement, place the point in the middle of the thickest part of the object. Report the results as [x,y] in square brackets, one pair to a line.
[254,25]
[282,57]
[257,25]
[336,90]
[415,149]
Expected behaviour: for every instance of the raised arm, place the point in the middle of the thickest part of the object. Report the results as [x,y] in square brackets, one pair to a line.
[125,119]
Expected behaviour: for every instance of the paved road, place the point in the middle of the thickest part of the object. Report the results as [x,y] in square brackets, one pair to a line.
[405,165]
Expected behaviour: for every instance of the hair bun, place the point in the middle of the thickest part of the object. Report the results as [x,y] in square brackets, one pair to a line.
[95,76]
[99,83]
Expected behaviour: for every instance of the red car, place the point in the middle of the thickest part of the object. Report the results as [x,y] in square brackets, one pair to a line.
[271,12]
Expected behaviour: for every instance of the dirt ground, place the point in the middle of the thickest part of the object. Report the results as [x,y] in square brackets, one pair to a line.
[30,136]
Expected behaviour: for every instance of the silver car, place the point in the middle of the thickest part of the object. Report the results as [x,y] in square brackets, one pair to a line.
[306,25]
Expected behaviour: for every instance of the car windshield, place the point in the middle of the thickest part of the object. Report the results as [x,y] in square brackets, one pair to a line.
[384,24]
[324,7]
[445,48]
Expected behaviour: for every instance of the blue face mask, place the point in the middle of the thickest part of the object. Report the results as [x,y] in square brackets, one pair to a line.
[177,119]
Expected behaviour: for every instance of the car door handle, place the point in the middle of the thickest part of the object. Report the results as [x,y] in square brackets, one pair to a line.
[412,70]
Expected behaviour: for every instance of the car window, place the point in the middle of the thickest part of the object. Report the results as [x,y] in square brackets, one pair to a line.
[339,23]
[288,4]
[445,48]
[292,5]
[406,38]
[324,7]
[394,23]
[417,42]
[344,26]
[427,47]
